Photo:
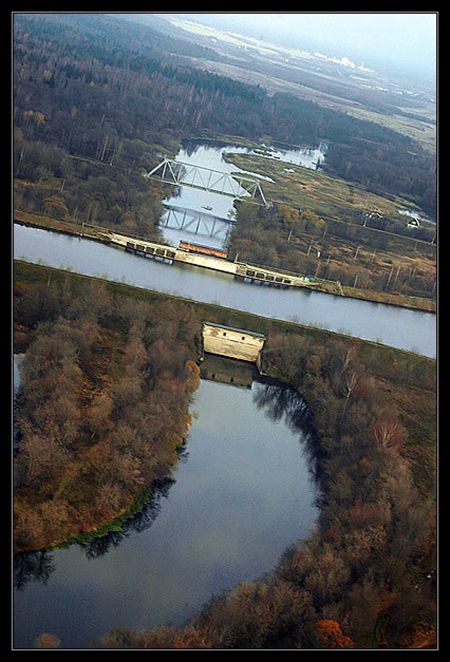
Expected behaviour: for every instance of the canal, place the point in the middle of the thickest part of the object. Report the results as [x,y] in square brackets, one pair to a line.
[241,493]
[390,325]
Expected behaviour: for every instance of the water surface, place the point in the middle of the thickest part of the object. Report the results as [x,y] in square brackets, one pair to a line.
[390,325]
[240,496]
[212,157]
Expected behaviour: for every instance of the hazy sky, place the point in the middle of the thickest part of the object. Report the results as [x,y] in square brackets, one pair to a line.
[405,40]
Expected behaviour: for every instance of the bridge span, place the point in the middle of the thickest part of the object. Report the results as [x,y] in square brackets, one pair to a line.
[235,185]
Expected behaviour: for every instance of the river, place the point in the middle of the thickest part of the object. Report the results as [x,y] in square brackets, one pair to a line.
[241,494]
[212,157]
[390,325]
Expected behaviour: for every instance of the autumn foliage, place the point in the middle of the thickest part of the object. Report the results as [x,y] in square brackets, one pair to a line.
[330,634]
[105,379]
[103,408]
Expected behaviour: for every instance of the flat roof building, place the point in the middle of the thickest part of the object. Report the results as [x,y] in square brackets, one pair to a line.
[233,342]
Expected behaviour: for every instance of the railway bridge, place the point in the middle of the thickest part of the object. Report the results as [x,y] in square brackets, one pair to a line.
[235,185]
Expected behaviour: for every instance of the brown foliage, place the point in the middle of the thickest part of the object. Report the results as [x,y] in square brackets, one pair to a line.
[47,640]
[330,634]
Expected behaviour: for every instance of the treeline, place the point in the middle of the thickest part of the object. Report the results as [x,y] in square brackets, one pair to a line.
[365,578]
[103,407]
[93,82]
[51,183]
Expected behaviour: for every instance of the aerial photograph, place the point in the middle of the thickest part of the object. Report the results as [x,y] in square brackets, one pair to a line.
[224,352]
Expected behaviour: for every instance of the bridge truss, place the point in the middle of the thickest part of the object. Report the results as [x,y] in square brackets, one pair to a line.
[214,181]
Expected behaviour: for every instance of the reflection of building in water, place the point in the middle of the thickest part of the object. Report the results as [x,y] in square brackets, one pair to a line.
[228,371]
[233,342]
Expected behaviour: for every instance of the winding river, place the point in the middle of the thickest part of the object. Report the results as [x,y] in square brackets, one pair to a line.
[242,492]
[212,157]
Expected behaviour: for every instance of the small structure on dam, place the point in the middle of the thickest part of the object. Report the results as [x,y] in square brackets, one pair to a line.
[233,342]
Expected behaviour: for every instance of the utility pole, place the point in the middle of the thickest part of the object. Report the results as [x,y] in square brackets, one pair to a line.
[389,279]
[356,252]
[396,276]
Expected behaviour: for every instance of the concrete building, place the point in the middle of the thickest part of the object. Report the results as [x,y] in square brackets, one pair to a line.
[232,342]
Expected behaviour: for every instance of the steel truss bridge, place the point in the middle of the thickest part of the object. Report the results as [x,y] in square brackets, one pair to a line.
[214,181]
[188,220]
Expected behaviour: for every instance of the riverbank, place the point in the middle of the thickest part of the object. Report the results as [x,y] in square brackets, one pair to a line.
[40,274]
[385,361]
[374,458]
[86,454]
[91,232]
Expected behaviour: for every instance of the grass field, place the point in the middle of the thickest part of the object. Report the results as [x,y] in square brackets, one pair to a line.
[315,190]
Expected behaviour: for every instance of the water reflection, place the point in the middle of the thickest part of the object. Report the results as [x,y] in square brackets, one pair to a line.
[33,566]
[232,506]
[139,522]
[38,566]
[211,156]
[285,402]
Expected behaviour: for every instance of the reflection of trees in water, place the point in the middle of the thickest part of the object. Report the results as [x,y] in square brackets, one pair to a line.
[280,402]
[283,401]
[190,147]
[38,566]
[139,522]
[176,192]
[34,566]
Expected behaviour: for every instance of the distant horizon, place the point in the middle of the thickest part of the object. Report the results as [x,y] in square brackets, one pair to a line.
[400,42]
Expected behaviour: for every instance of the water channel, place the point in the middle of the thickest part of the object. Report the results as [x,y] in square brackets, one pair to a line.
[241,494]
[212,157]
[397,327]
[242,491]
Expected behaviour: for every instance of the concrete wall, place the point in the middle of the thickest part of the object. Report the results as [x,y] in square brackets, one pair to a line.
[210,262]
[236,344]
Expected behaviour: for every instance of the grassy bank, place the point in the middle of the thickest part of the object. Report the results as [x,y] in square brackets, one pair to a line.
[25,272]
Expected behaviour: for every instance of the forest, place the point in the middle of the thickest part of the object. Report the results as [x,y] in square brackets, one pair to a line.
[365,578]
[362,580]
[67,68]
[102,409]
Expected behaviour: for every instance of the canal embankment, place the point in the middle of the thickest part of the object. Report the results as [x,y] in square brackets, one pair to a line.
[99,234]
